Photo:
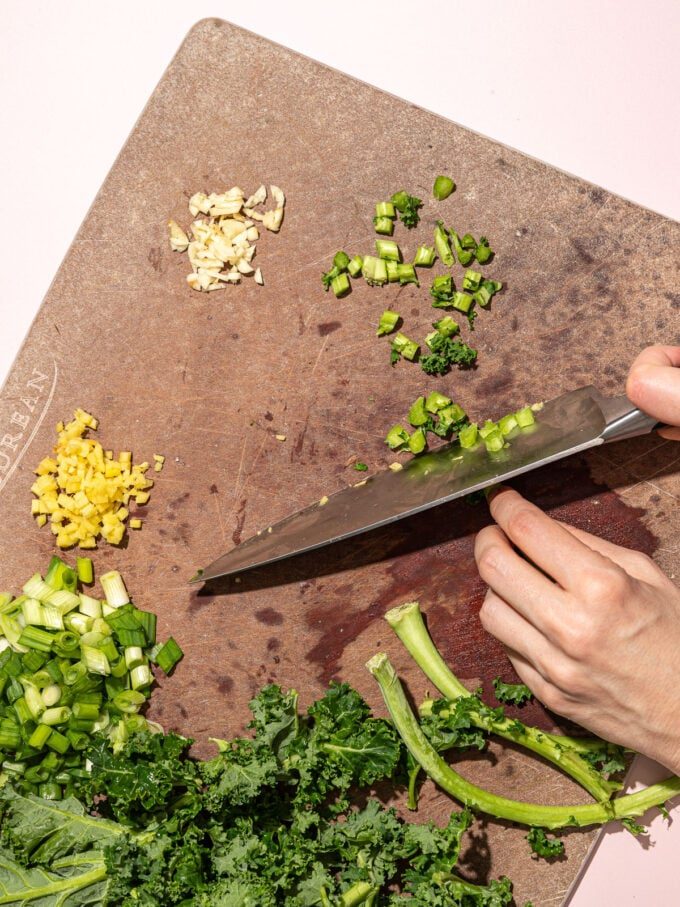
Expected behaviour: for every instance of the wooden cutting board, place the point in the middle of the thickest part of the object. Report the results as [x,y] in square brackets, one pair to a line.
[210,379]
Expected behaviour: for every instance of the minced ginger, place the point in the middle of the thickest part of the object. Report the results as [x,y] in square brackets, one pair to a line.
[84,491]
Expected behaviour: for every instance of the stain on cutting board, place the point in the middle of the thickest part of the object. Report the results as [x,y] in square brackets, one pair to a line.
[210,380]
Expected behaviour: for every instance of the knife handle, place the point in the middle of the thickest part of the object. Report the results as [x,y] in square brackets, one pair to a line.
[624,420]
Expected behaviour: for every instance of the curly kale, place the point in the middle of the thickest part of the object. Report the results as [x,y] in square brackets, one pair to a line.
[511,693]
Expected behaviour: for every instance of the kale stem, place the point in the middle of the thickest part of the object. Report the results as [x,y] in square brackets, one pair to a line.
[407,622]
[359,893]
[532,814]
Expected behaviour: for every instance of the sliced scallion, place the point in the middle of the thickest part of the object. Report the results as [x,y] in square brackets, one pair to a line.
[114,589]
[84,569]
[169,655]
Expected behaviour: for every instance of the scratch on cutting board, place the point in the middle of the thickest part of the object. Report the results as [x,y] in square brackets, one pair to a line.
[318,358]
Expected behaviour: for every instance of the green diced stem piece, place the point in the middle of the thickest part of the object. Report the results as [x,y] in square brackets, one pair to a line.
[441,243]
[407,274]
[384,225]
[355,265]
[392,271]
[468,241]
[494,441]
[472,280]
[462,301]
[446,326]
[385,209]
[436,401]
[483,252]
[425,256]
[340,261]
[443,187]
[397,437]
[508,424]
[417,443]
[525,417]
[467,437]
[488,428]
[374,271]
[387,249]
[417,414]
[388,322]
[407,348]
[341,285]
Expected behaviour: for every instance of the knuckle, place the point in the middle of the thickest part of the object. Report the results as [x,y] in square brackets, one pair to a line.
[606,584]
[566,677]
[579,635]
[552,698]
[489,559]
[522,523]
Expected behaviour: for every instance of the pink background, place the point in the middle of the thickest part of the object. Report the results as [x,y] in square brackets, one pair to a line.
[589,86]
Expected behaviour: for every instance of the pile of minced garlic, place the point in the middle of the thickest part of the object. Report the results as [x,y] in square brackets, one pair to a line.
[223,246]
[84,491]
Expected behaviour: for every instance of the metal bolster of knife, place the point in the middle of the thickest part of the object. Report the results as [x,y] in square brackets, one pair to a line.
[623,419]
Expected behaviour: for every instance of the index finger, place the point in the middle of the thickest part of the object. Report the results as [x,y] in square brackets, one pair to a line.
[544,541]
[654,384]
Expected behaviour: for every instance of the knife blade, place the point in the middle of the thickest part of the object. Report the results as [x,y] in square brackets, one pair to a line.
[573,422]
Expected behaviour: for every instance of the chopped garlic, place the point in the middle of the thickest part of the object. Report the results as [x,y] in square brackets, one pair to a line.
[280,437]
[84,490]
[395,467]
[222,247]
[178,238]
[323,501]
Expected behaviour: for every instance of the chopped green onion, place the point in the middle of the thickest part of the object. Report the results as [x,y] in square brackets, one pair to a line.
[168,656]
[78,623]
[73,673]
[114,589]
[483,252]
[436,401]
[148,620]
[64,600]
[446,326]
[134,656]
[525,417]
[355,265]
[95,661]
[374,271]
[417,443]
[129,701]
[34,701]
[60,576]
[397,437]
[407,274]
[405,347]
[58,742]
[387,249]
[392,271]
[472,280]
[441,242]
[35,638]
[58,715]
[462,301]
[384,225]
[388,322]
[417,414]
[360,467]
[84,569]
[87,711]
[40,736]
[425,256]
[51,695]
[385,209]
[341,285]
[341,261]
[37,589]
[141,676]
[443,187]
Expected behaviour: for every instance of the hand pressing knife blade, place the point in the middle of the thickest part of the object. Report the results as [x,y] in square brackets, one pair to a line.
[566,425]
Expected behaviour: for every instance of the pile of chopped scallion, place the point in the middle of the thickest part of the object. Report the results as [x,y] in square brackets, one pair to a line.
[71,665]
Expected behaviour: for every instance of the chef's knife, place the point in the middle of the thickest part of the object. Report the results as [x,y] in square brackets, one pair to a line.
[566,425]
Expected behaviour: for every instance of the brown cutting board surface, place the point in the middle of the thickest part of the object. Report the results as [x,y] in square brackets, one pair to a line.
[210,379]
